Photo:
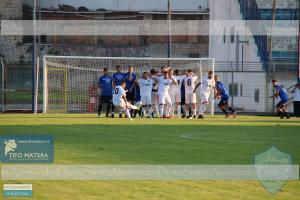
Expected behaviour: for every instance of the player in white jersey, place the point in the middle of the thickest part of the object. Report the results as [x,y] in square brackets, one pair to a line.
[190,96]
[164,99]
[206,88]
[154,96]
[175,91]
[146,84]
[120,101]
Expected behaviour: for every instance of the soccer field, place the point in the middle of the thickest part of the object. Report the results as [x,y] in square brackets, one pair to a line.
[86,139]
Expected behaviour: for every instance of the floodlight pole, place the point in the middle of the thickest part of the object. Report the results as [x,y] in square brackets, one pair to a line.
[2,85]
[298,42]
[272,29]
[170,29]
[271,46]
[33,56]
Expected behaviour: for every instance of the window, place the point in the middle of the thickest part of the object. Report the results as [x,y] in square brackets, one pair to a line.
[233,89]
[256,95]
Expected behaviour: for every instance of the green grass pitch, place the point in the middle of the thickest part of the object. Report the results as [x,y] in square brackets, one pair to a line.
[86,139]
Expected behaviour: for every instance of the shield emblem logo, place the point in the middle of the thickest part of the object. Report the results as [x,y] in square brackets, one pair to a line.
[273,167]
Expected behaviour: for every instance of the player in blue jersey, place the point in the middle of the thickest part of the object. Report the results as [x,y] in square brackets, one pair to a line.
[130,78]
[105,86]
[282,104]
[223,94]
[118,77]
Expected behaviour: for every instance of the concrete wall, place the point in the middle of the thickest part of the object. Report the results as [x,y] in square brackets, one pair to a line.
[247,83]
[230,51]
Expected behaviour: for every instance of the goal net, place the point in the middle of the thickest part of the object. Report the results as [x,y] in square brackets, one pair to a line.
[70,82]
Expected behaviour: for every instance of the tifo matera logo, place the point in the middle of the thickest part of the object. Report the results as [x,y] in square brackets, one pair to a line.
[26,149]
[10,145]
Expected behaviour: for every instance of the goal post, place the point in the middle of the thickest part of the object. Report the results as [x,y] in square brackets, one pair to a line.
[70,82]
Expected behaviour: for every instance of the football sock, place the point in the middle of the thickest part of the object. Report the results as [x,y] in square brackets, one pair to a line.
[107,109]
[127,112]
[231,109]
[202,109]
[155,109]
[286,114]
[224,111]
[149,110]
[99,108]
[172,111]
[187,110]
[161,109]
[183,109]
[144,111]
[168,109]
[112,109]
[194,111]
[280,114]
[178,110]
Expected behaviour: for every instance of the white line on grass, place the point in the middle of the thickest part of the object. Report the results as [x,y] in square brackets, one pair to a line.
[191,136]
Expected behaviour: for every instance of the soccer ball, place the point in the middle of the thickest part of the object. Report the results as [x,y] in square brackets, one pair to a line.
[139,105]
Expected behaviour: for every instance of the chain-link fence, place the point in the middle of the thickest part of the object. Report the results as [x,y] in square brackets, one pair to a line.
[249,85]
[16,86]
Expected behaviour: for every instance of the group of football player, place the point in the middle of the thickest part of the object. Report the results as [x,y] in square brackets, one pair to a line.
[166,93]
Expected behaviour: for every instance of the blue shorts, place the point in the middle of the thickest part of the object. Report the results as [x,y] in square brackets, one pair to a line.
[223,102]
[281,103]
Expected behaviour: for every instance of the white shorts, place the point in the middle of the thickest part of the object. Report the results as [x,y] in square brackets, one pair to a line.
[154,98]
[204,98]
[164,98]
[122,106]
[190,98]
[175,96]
[146,99]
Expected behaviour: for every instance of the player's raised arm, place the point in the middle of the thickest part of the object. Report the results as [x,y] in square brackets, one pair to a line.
[135,83]
[295,87]
[198,84]
[155,78]
[173,80]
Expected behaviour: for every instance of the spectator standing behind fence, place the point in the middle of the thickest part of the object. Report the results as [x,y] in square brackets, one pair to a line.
[296,94]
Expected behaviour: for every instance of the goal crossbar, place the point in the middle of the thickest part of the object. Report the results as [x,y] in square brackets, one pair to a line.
[127,58]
